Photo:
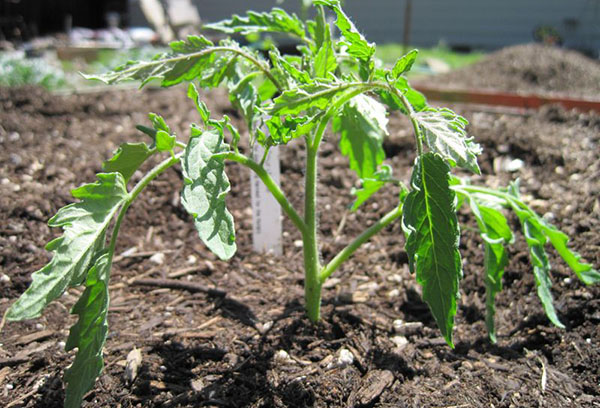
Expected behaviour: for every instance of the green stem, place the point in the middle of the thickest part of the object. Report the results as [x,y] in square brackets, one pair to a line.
[152,174]
[345,253]
[465,189]
[312,283]
[271,185]
[413,120]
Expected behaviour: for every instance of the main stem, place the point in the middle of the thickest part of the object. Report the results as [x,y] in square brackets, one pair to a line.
[312,283]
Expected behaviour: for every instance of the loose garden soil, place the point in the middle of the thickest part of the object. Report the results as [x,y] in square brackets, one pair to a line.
[248,343]
[530,68]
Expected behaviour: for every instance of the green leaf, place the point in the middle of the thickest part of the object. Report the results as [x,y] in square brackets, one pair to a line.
[537,233]
[127,159]
[496,233]
[370,186]
[206,186]
[584,271]
[276,20]
[287,72]
[445,134]
[244,97]
[362,124]
[164,141]
[318,96]
[324,61]
[158,123]
[357,44]
[84,225]
[404,64]
[414,97]
[88,334]
[541,268]
[187,60]
[430,223]
[283,130]
[201,107]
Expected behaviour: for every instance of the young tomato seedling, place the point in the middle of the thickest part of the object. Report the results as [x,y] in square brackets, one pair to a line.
[333,82]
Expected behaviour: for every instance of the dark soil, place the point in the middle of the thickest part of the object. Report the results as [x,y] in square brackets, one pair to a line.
[253,347]
[530,68]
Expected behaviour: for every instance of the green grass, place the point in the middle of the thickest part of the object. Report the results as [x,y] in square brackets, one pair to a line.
[389,53]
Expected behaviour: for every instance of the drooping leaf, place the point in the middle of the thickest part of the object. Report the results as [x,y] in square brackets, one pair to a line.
[201,107]
[88,334]
[187,60]
[445,134]
[276,20]
[404,64]
[584,271]
[206,186]
[496,234]
[362,124]
[84,225]
[537,233]
[370,186]
[357,44]
[430,223]
[127,159]
[541,268]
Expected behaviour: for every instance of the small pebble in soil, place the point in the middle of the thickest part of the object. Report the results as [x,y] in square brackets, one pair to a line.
[9,387]
[191,260]
[61,345]
[395,278]
[4,278]
[567,281]
[394,293]
[399,341]
[39,326]
[158,258]
[265,327]
[344,359]
[282,357]
[298,243]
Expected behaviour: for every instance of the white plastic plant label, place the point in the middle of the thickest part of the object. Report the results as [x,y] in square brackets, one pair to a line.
[266,213]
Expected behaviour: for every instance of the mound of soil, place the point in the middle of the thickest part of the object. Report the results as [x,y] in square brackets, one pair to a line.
[530,68]
[249,344]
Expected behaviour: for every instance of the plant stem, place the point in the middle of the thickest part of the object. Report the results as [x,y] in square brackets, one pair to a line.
[152,174]
[411,114]
[345,253]
[312,283]
[271,185]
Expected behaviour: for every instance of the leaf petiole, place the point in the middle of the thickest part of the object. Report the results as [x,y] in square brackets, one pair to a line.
[345,253]
[139,187]
[270,184]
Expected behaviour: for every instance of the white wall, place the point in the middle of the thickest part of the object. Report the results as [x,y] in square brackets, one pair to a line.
[485,24]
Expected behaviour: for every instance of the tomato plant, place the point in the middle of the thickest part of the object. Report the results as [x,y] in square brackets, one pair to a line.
[296,98]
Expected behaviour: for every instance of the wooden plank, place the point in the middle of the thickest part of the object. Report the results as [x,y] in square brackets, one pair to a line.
[498,98]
